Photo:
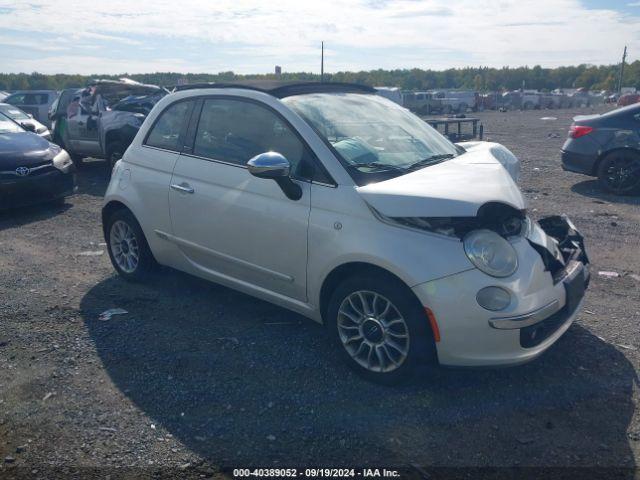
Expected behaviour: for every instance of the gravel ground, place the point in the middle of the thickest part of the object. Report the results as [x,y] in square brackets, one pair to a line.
[198,378]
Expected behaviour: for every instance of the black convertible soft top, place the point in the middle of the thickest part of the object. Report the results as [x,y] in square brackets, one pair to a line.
[281,89]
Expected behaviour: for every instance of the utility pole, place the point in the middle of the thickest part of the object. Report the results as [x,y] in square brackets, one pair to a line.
[624,57]
[322,63]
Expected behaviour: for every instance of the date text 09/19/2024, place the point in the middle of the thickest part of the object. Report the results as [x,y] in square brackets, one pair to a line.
[315,472]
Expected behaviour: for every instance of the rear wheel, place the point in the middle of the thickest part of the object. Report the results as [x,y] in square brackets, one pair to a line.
[127,246]
[619,172]
[380,328]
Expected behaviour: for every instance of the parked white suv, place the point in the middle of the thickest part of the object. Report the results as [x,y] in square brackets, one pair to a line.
[334,202]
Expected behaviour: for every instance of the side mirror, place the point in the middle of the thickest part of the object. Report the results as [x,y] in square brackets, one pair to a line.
[275,166]
[269,165]
[29,127]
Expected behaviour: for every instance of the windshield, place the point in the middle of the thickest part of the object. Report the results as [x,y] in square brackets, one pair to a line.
[374,138]
[13,112]
[8,126]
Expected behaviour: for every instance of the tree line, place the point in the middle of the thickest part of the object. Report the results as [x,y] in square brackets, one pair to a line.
[603,77]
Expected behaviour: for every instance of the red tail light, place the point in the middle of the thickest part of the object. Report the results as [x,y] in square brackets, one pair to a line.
[577,131]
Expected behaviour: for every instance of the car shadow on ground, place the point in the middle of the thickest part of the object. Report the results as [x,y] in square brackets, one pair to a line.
[92,178]
[592,189]
[17,217]
[242,382]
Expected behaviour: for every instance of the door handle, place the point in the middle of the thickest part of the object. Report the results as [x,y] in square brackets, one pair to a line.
[183,187]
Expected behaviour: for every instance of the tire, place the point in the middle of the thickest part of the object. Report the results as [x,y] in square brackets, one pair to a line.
[528,106]
[126,241]
[619,172]
[77,160]
[374,358]
[114,152]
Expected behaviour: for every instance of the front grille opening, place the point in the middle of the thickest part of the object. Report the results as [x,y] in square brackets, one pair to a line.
[498,217]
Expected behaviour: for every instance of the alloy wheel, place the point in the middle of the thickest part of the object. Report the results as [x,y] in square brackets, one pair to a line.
[124,246]
[623,173]
[373,332]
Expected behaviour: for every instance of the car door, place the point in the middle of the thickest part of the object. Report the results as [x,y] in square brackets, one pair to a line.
[230,223]
[82,131]
[148,170]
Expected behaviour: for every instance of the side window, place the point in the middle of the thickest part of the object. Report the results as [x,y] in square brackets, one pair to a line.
[16,100]
[234,131]
[167,130]
[35,99]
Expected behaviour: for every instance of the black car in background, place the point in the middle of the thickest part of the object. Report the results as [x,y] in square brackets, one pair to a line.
[606,146]
[32,169]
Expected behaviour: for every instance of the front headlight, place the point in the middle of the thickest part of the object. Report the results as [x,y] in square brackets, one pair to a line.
[490,253]
[62,161]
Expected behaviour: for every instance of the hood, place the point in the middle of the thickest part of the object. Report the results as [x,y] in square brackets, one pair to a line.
[124,86]
[454,188]
[23,149]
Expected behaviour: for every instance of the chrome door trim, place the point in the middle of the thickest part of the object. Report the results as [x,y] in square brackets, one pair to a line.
[186,243]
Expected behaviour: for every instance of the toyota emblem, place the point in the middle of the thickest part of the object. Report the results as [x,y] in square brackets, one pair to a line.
[23,171]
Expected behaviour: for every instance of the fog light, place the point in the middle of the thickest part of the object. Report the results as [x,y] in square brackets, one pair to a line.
[493,298]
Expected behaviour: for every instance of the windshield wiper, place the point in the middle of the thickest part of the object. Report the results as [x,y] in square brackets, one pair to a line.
[379,165]
[433,159]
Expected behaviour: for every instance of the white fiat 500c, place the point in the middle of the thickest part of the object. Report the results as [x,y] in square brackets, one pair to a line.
[338,204]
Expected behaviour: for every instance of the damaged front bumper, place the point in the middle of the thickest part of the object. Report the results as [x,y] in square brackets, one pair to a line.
[547,292]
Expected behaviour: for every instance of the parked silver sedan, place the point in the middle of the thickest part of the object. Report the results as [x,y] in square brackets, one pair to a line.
[34,102]
[25,120]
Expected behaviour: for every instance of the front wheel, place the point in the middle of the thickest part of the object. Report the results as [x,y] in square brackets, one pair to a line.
[380,328]
[127,246]
[77,160]
[619,172]
[114,151]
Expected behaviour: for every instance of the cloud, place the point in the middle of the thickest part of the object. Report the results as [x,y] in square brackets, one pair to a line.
[249,36]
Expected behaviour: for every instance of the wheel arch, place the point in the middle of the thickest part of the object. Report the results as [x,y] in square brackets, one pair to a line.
[345,270]
[110,208]
[596,164]
[112,136]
